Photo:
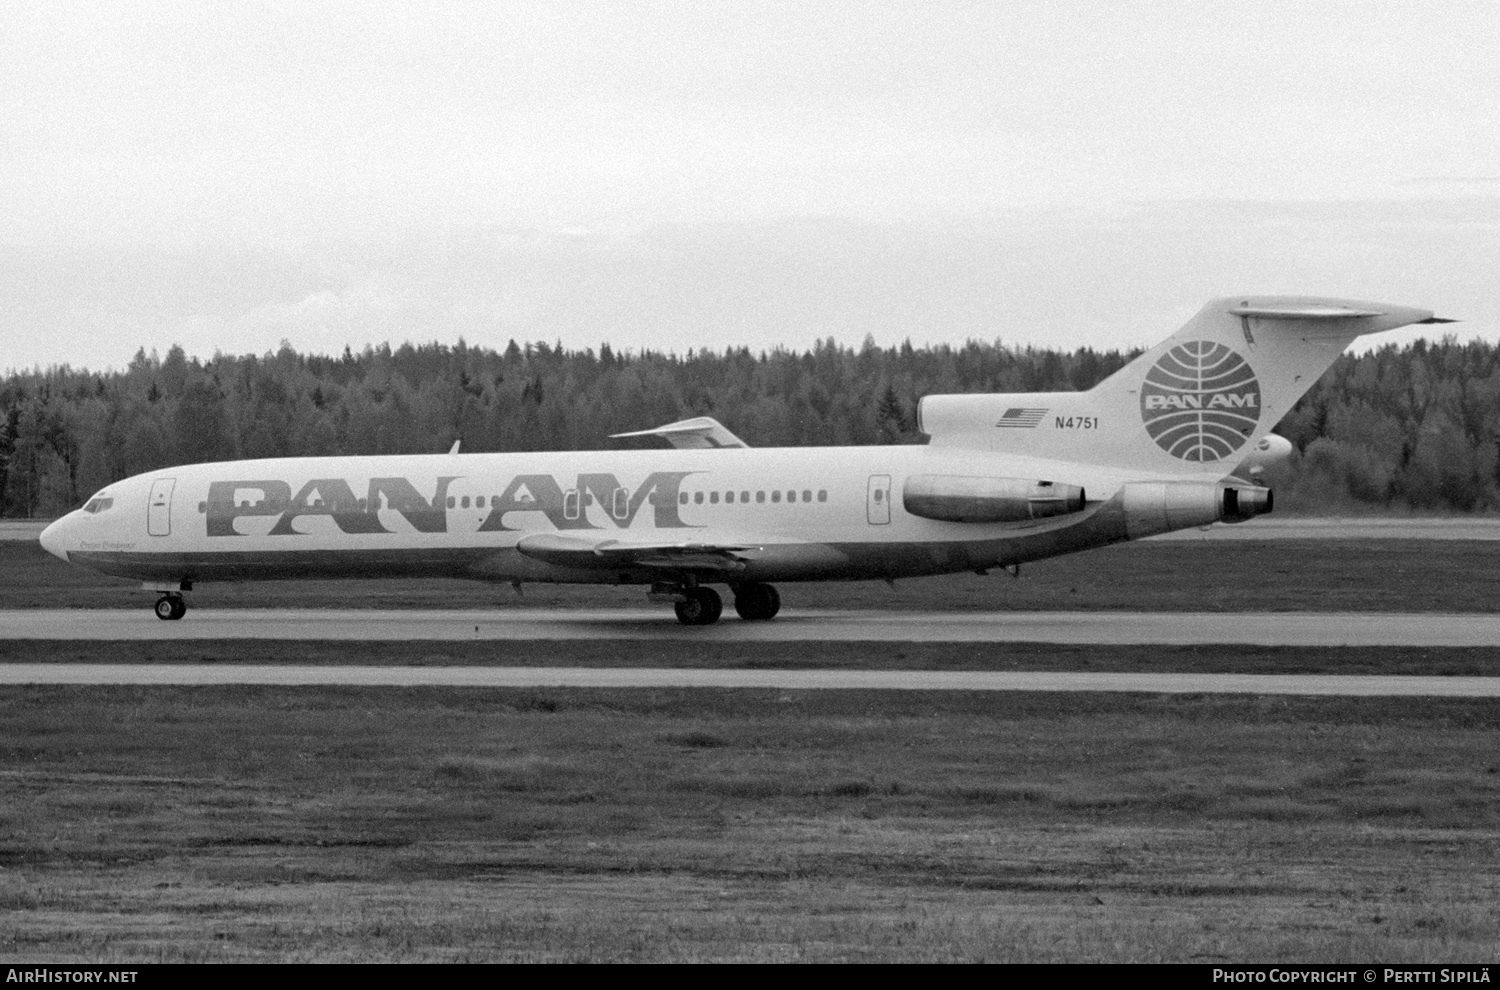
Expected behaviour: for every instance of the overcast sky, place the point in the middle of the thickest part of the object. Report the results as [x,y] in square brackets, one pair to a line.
[685,175]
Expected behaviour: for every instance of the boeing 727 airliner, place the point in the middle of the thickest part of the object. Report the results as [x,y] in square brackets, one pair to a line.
[1178,438]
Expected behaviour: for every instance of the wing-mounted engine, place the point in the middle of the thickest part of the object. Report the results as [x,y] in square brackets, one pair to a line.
[1153,507]
[958,498]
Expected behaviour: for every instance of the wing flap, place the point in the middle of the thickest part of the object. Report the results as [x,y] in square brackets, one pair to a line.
[607,553]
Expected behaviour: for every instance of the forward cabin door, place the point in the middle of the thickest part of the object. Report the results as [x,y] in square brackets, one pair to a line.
[159,509]
[878,501]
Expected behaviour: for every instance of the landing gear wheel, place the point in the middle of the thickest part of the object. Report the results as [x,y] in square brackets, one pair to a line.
[170,607]
[756,602]
[702,607]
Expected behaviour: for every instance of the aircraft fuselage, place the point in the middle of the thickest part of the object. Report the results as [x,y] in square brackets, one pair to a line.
[801,513]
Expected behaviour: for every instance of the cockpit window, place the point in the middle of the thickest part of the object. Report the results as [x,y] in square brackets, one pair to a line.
[98,505]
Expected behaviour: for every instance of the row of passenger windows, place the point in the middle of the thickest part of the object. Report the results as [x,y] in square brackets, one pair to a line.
[760,496]
[358,505]
[570,500]
[697,498]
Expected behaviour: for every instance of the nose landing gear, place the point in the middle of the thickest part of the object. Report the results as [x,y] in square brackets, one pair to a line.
[170,607]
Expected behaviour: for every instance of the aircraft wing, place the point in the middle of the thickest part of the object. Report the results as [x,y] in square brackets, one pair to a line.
[699,433]
[607,553]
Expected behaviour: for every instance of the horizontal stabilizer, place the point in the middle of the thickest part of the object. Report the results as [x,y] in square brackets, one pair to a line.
[699,433]
[1303,312]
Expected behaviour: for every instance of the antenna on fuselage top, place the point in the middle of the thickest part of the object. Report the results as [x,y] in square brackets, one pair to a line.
[454,448]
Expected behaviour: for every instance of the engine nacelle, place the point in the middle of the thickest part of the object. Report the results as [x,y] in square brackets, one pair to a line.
[958,498]
[1153,507]
[1242,502]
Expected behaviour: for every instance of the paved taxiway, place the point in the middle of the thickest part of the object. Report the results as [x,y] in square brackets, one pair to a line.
[1084,628]
[792,680]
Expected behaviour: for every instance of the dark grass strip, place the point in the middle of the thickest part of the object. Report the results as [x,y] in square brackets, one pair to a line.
[1388,660]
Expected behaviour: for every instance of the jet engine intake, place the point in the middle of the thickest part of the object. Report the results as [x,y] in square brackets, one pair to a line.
[957,498]
[1153,507]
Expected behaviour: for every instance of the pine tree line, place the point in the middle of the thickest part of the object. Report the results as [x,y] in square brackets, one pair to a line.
[1409,428]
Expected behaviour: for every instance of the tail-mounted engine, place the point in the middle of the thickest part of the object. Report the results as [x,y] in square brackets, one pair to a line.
[956,498]
[1153,507]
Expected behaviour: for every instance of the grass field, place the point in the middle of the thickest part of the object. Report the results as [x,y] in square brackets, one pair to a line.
[197,824]
[1283,575]
[237,823]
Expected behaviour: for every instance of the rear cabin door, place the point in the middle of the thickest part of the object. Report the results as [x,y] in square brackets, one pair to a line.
[878,502]
[159,509]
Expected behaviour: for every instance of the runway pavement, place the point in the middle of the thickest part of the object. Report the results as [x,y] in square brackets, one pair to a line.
[789,680]
[24,530]
[1100,628]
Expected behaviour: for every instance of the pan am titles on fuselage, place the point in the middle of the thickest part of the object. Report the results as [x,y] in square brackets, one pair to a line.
[1177,438]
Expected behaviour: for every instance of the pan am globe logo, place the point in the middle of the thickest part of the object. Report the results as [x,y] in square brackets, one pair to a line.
[1200,402]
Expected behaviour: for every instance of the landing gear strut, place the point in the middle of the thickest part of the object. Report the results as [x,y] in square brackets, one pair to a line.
[756,602]
[170,607]
[700,607]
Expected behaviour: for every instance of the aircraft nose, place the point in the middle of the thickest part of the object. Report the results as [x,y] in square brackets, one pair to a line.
[53,539]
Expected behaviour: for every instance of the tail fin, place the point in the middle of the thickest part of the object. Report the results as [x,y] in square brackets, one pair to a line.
[1191,405]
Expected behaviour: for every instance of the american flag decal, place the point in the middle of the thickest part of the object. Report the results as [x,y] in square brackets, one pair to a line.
[1022,418]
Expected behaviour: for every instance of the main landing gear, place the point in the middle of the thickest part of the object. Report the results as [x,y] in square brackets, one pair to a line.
[756,602]
[170,607]
[697,605]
